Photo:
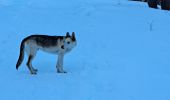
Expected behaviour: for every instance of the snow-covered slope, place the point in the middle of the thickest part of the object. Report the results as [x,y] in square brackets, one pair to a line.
[123,50]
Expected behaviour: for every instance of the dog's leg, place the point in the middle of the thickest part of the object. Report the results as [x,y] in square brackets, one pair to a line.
[60,64]
[31,51]
[29,64]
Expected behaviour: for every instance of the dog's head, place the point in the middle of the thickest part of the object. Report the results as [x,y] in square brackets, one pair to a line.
[70,40]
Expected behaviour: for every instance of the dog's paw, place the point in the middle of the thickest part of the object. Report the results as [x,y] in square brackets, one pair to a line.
[61,71]
[33,72]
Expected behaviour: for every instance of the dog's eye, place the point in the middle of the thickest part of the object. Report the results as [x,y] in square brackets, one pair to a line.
[68,42]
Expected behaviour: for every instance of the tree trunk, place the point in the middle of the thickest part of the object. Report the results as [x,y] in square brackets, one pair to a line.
[153,3]
[165,4]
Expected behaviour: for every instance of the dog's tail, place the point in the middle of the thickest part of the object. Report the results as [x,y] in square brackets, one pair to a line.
[21,55]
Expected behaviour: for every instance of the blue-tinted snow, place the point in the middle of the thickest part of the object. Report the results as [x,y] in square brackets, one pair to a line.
[123,50]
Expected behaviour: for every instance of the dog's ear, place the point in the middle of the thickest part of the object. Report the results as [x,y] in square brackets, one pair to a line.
[67,34]
[73,36]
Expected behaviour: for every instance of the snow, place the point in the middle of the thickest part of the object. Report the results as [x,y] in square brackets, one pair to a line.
[122,53]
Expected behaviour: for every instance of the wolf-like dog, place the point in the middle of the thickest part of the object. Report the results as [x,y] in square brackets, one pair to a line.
[59,45]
